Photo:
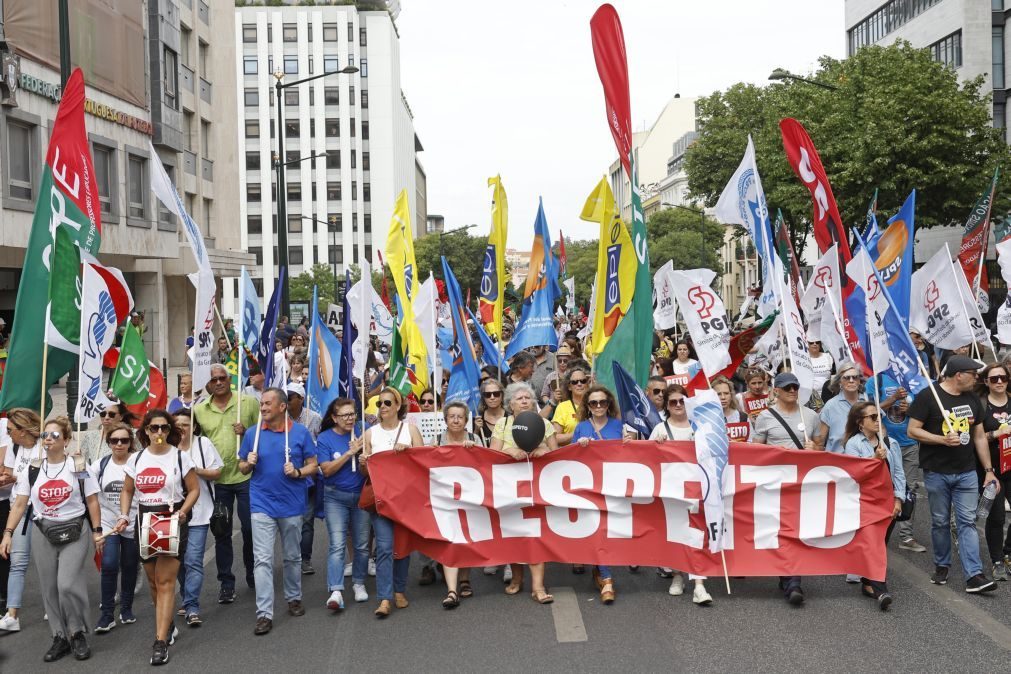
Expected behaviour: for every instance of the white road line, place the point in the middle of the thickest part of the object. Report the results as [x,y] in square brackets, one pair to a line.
[962,605]
[569,626]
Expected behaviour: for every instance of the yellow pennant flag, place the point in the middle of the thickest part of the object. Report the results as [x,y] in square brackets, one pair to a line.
[404,269]
[493,275]
[616,265]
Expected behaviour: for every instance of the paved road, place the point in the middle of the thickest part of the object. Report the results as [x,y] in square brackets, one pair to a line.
[929,628]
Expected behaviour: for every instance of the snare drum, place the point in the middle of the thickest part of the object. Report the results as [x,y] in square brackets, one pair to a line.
[159,535]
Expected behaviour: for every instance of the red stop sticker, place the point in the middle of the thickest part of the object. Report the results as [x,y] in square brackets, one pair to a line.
[54,492]
[150,480]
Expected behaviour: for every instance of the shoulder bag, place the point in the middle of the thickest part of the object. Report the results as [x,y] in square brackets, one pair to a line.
[782,422]
[221,516]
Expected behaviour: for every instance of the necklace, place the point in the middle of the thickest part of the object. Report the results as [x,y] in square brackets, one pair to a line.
[45,468]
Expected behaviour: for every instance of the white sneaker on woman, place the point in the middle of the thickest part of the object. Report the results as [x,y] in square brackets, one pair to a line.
[10,624]
[360,593]
[701,596]
[336,601]
[677,586]
[507,574]
[490,570]
[372,566]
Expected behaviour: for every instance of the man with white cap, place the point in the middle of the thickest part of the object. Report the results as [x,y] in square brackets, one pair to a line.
[951,441]
[299,412]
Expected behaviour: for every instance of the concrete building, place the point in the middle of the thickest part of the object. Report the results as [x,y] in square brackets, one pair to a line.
[361,122]
[165,77]
[519,262]
[436,224]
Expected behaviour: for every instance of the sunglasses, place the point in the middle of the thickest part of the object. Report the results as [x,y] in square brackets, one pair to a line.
[997,379]
[791,388]
[51,435]
[676,402]
[427,401]
[655,391]
[492,394]
[597,404]
[872,417]
[108,414]
[349,415]
[577,382]
[562,361]
[119,441]
[386,403]
[850,377]
[219,380]
[158,428]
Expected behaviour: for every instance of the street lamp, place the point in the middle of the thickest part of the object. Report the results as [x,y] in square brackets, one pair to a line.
[332,227]
[781,74]
[702,221]
[282,188]
[453,231]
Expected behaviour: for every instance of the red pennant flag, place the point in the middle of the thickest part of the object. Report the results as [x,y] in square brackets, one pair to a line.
[740,345]
[563,261]
[612,66]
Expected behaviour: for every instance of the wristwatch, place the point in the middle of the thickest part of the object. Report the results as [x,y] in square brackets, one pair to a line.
[97,530]
[989,470]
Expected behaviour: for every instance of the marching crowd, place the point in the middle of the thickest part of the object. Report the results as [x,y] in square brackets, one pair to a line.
[148,493]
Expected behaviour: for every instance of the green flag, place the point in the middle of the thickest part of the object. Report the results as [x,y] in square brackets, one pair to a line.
[132,380]
[399,376]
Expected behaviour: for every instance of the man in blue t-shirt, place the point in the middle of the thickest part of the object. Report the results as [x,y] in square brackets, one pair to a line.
[279,455]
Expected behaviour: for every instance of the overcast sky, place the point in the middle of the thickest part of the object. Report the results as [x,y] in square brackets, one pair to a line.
[510,87]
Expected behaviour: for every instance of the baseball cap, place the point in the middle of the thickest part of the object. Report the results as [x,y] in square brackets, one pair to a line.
[295,388]
[957,364]
[785,379]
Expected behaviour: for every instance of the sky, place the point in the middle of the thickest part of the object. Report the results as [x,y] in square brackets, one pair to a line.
[510,88]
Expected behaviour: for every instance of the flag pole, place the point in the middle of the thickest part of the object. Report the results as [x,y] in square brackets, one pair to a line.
[224,332]
[965,312]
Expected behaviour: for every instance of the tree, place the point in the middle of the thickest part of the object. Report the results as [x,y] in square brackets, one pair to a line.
[465,254]
[581,257]
[898,120]
[677,234]
[320,275]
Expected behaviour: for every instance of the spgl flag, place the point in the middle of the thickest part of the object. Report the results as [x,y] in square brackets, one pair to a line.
[972,252]
[493,274]
[741,345]
[67,199]
[861,271]
[935,309]
[131,382]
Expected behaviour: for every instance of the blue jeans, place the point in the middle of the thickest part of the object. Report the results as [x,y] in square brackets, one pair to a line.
[229,494]
[21,554]
[960,490]
[265,529]
[191,571]
[342,510]
[604,572]
[391,574]
[120,554]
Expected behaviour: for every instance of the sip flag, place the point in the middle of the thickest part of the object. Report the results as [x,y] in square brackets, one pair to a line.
[131,382]
[493,274]
[68,199]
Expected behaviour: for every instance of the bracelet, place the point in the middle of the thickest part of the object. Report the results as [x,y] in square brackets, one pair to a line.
[9,531]
[989,470]
[125,518]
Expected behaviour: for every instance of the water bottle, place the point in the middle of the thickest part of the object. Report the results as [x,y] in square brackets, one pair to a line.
[986,501]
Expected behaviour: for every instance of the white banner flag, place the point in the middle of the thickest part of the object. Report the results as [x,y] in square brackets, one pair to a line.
[704,316]
[796,342]
[203,323]
[665,304]
[979,331]
[935,306]
[861,270]
[824,279]
[833,337]
[770,347]
[570,286]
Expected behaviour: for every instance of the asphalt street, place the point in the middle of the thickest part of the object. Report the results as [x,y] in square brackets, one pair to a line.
[929,628]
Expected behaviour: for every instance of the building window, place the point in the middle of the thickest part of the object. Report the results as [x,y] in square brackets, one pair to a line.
[331,96]
[351,94]
[998,57]
[291,96]
[353,132]
[336,254]
[999,113]
[291,157]
[329,32]
[948,50]
[366,192]
[331,64]
[249,65]
[295,223]
[295,255]
[363,67]
[361,37]
[309,31]
[254,225]
[354,159]
[291,129]
[252,161]
[365,161]
[257,252]
[884,20]
[138,186]
[252,128]
[105,175]
[310,58]
[333,160]
[22,153]
[367,223]
[294,192]
[312,95]
[253,193]
[291,65]
[365,99]
[289,32]
[333,191]
[354,190]
[365,130]
[252,98]
[351,31]
[333,128]
[170,79]
[249,32]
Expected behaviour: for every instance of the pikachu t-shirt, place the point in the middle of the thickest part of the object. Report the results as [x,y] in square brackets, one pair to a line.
[961,413]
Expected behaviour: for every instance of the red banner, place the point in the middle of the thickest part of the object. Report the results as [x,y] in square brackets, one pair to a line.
[788,512]
[612,67]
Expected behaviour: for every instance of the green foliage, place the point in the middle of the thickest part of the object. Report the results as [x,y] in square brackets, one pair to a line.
[677,234]
[320,275]
[899,120]
[581,258]
[465,254]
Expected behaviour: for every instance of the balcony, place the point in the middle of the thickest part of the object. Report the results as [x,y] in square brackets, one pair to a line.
[186,77]
[207,169]
[205,91]
[189,162]
[204,12]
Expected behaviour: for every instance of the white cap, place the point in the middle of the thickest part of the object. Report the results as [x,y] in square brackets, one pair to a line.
[296,388]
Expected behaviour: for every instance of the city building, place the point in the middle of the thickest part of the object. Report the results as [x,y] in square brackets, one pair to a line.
[163,76]
[349,140]
[436,224]
[518,261]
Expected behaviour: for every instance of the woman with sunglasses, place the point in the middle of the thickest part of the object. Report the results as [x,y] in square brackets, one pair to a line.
[865,439]
[575,384]
[339,442]
[120,557]
[61,503]
[677,427]
[997,427]
[167,483]
[489,410]
[738,424]
[598,420]
[390,434]
[93,444]
[848,384]
[25,456]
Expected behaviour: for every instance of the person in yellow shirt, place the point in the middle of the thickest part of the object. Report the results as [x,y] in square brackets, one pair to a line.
[574,385]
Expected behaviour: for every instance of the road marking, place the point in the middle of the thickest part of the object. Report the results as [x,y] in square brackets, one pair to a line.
[961,605]
[569,626]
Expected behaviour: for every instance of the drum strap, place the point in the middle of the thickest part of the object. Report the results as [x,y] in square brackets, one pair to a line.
[203,460]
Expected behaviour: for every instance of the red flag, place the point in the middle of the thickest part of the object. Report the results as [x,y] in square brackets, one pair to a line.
[385,292]
[740,345]
[974,239]
[563,262]
[612,66]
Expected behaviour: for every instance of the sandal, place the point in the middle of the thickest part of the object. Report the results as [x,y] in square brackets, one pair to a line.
[466,590]
[514,588]
[542,596]
[451,601]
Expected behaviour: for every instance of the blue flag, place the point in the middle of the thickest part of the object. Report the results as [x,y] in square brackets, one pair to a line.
[323,383]
[490,354]
[636,409]
[712,449]
[249,323]
[537,320]
[444,340]
[465,377]
[348,337]
[269,329]
[871,232]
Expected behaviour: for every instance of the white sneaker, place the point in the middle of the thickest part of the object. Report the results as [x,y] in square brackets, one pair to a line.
[10,624]
[677,586]
[490,570]
[360,593]
[372,567]
[852,578]
[700,596]
[347,569]
[336,601]
[507,575]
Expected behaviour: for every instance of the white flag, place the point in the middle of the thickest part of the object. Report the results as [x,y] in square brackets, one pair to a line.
[1004,311]
[861,270]
[833,337]
[426,315]
[824,279]
[979,331]
[570,286]
[796,343]
[935,306]
[770,346]
[704,316]
[712,448]
[203,324]
[665,304]
[166,192]
[588,328]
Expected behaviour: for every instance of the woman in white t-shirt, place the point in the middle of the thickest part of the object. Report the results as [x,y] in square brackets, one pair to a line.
[120,557]
[821,366]
[162,479]
[683,363]
[61,502]
[24,429]
[207,464]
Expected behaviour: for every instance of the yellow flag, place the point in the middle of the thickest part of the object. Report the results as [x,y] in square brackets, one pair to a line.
[493,275]
[404,269]
[616,265]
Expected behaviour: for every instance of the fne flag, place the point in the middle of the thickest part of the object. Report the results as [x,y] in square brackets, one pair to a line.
[637,410]
[490,354]
[466,375]
[323,384]
[712,449]
[536,326]
[349,338]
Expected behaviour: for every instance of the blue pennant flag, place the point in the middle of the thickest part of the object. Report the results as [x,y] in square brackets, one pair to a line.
[444,340]
[465,377]
[871,232]
[348,337]
[537,320]
[712,449]
[636,409]
[490,354]
[267,332]
[323,383]
[249,322]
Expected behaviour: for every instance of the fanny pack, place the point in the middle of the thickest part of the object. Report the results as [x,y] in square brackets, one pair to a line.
[61,533]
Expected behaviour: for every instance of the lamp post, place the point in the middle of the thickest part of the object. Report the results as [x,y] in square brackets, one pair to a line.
[702,221]
[453,231]
[279,164]
[331,225]
[781,74]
